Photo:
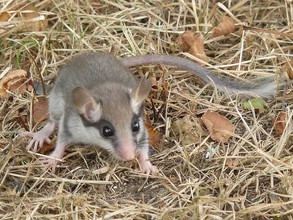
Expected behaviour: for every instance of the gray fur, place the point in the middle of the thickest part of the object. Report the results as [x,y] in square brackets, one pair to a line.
[110,83]
[89,70]
[260,87]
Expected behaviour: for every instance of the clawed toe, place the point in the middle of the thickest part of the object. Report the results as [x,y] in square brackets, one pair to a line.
[148,168]
[49,163]
[37,140]
[40,137]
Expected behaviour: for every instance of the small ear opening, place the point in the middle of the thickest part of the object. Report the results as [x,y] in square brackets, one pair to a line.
[86,105]
[141,91]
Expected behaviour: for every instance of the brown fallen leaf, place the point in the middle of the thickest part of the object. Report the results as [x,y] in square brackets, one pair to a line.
[227,26]
[155,137]
[194,43]
[154,82]
[220,128]
[48,147]
[288,67]
[188,130]
[4,16]
[40,110]
[30,12]
[19,86]
[233,163]
[16,82]
[185,41]
[279,123]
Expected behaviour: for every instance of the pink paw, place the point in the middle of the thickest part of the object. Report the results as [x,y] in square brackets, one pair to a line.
[37,141]
[40,137]
[50,162]
[148,168]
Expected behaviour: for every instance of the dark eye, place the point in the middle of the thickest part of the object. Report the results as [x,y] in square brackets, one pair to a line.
[107,132]
[135,126]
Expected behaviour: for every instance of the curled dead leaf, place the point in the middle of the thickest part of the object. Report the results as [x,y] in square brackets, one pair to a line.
[233,163]
[16,82]
[288,67]
[188,130]
[4,16]
[154,82]
[279,123]
[193,42]
[220,128]
[227,26]
[155,137]
[40,110]
[48,147]
[32,21]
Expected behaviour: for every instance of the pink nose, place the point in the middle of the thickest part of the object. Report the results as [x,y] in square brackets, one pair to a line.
[126,153]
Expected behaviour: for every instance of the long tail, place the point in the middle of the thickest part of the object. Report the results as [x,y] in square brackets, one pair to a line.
[259,87]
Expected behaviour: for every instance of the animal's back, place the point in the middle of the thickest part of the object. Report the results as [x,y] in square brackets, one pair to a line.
[88,70]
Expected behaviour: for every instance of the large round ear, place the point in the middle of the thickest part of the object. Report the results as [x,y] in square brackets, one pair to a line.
[140,92]
[86,105]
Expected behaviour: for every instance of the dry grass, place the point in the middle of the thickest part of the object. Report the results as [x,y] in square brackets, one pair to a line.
[248,178]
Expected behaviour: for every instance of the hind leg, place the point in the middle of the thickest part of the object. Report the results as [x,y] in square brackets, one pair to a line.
[50,162]
[40,137]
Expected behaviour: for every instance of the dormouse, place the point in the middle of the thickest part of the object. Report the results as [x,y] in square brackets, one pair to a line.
[96,100]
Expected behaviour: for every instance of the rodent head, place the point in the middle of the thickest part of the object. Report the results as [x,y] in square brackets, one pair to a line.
[113,116]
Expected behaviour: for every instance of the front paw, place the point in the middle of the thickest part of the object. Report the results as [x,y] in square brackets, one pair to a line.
[37,141]
[147,167]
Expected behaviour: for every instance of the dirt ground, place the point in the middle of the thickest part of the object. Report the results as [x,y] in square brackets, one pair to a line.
[247,177]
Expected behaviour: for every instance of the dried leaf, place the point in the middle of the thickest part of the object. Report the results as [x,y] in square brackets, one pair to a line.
[188,130]
[155,137]
[40,110]
[227,26]
[233,163]
[48,147]
[279,123]
[289,69]
[194,43]
[255,103]
[154,82]
[4,16]
[220,128]
[185,41]
[30,12]
[16,82]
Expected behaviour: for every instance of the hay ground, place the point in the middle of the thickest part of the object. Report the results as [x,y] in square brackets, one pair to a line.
[250,177]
